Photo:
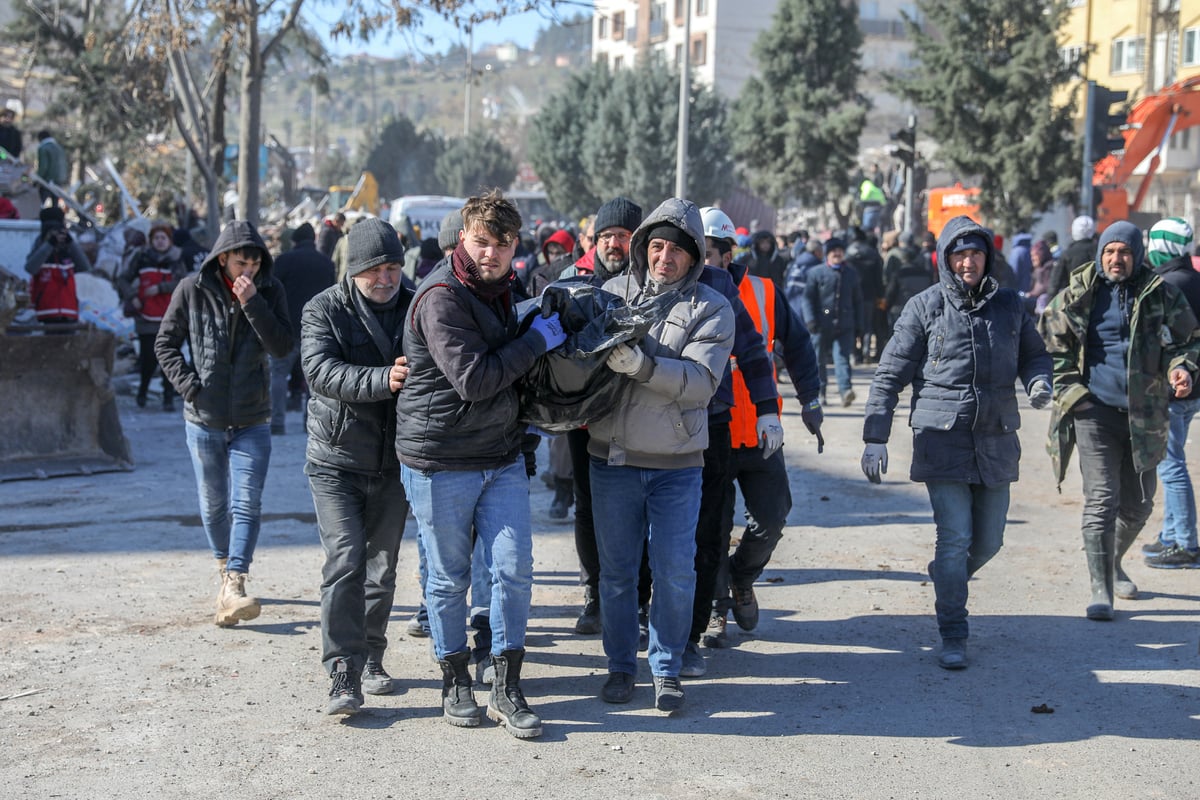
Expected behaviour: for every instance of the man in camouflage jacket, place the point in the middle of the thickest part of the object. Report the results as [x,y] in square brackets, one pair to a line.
[1122,340]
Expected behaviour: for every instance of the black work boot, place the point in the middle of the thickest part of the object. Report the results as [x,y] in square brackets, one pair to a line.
[564,496]
[506,704]
[589,619]
[458,701]
[1100,570]
[481,651]
[1123,585]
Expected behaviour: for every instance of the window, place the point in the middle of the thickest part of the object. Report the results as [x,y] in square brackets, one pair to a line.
[618,63]
[678,55]
[618,26]
[1191,47]
[1179,141]
[602,58]
[1072,56]
[680,7]
[699,49]
[1128,54]
[701,8]
[602,27]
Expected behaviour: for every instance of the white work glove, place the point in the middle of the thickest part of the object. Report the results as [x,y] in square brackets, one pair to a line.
[874,461]
[1040,394]
[626,359]
[770,434]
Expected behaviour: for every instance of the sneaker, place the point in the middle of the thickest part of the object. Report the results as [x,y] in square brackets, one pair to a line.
[1175,557]
[643,628]
[618,688]
[1153,548]
[589,619]
[418,626]
[345,696]
[693,662]
[375,679]
[668,694]
[954,654]
[745,608]
[848,398]
[714,636]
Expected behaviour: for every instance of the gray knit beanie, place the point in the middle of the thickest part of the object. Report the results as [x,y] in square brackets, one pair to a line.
[620,212]
[372,242]
[452,223]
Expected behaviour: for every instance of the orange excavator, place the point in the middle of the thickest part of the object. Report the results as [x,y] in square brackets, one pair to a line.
[1150,125]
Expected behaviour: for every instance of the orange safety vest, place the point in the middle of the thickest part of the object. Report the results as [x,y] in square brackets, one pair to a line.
[759,298]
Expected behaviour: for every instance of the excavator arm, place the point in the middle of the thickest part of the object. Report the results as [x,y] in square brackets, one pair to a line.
[1151,123]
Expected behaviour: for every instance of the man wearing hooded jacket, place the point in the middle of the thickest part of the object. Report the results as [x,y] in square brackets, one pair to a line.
[232,314]
[1123,341]
[648,453]
[962,344]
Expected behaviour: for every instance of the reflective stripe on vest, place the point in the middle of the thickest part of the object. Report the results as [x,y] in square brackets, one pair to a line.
[759,298]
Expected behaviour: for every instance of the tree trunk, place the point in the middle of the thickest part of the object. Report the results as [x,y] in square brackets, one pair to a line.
[250,119]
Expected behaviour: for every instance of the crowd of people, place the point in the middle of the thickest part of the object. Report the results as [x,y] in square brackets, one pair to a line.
[410,377]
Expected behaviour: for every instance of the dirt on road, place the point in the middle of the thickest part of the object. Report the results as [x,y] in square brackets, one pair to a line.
[115,683]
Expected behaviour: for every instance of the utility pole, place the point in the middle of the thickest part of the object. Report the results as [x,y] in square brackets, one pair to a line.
[910,181]
[681,138]
[470,76]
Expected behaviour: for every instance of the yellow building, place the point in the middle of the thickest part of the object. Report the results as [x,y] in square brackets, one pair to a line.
[1142,46]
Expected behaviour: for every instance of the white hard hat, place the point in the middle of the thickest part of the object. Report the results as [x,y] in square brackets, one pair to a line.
[717,224]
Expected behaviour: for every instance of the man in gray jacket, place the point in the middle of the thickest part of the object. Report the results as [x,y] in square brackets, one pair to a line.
[648,454]
[351,336]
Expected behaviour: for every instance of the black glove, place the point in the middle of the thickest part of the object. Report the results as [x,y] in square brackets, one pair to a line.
[530,463]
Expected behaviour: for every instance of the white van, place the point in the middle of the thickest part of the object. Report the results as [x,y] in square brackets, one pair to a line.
[419,216]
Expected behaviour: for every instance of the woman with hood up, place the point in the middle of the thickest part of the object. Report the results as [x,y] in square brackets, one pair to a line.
[962,344]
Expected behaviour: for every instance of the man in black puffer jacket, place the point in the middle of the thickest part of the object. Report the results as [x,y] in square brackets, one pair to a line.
[232,314]
[351,349]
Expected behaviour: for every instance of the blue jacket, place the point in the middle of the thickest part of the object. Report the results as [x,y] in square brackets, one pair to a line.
[1021,262]
[962,351]
[833,301]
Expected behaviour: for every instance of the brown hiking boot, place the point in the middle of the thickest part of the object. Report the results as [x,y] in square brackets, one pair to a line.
[233,605]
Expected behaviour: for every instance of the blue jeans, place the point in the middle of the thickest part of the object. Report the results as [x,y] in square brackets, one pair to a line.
[281,372]
[481,577]
[231,468]
[836,347]
[1179,499]
[448,505]
[970,519]
[633,507]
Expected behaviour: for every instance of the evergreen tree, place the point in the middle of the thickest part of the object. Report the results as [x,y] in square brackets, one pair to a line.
[796,125]
[612,134]
[404,159]
[477,162]
[986,84]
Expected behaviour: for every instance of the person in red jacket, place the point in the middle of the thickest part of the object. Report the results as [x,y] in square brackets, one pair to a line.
[146,286]
[53,262]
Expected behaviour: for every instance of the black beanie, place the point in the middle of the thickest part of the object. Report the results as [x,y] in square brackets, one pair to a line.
[620,212]
[670,233]
[303,234]
[372,242]
[51,217]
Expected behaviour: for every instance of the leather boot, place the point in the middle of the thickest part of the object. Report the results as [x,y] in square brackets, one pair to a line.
[1123,587]
[458,701]
[1100,570]
[506,704]
[589,618]
[233,604]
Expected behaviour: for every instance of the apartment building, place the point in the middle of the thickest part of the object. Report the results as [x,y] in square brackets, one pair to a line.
[1142,47]
[722,35]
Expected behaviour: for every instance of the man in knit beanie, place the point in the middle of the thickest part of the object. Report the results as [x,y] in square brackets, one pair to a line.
[1109,334]
[351,345]
[1175,547]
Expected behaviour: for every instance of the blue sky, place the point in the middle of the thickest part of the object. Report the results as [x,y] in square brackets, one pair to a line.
[519,28]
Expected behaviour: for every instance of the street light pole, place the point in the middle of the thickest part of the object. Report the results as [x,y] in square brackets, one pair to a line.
[681,143]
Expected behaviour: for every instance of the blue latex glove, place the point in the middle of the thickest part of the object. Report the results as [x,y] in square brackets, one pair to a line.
[550,329]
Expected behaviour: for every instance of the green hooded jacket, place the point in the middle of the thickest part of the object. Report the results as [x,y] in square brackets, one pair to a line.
[1162,336]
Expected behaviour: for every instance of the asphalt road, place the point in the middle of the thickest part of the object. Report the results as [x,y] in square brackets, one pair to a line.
[115,683]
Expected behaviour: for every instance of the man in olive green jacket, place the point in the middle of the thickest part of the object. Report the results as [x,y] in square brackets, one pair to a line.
[1122,341]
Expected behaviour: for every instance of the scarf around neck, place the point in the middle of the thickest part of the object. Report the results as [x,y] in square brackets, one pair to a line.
[468,273]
